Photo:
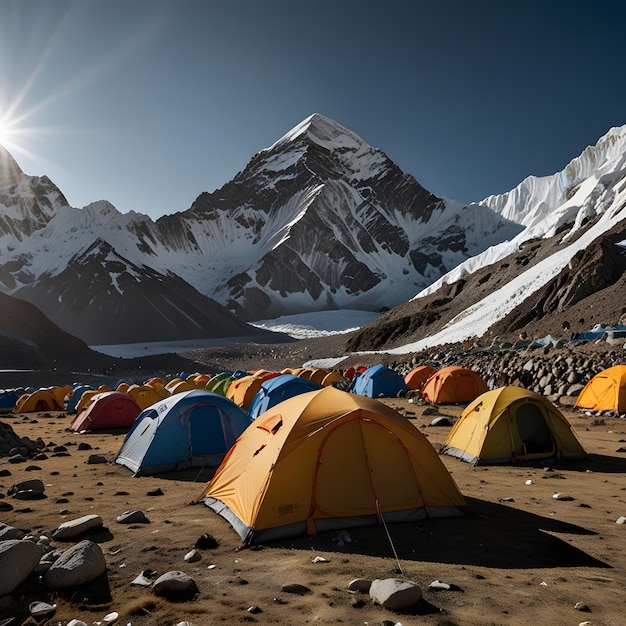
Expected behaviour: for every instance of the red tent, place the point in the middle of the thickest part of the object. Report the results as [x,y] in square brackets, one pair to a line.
[109,409]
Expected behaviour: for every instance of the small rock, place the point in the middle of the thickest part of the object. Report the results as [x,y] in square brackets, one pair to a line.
[192,556]
[75,528]
[581,606]
[562,496]
[95,459]
[156,491]
[621,520]
[132,517]
[394,594]
[175,585]
[41,609]
[206,542]
[295,588]
[361,585]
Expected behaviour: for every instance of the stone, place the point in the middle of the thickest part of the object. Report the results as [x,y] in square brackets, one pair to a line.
[10,532]
[77,565]
[192,556]
[95,459]
[206,542]
[75,528]
[394,594]
[28,490]
[361,585]
[175,584]
[17,560]
[133,517]
[295,588]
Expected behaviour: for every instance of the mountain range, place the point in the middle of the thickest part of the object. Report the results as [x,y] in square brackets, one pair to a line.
[321,221]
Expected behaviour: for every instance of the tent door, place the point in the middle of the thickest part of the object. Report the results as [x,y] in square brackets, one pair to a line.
[534,431]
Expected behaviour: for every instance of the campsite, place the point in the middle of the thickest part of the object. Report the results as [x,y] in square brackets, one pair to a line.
[542,542]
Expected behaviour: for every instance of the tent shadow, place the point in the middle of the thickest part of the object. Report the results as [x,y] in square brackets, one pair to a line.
[600,463]
[494,536]
[200,475]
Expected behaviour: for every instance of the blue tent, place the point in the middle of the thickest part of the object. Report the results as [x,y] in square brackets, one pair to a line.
[77,394]
[379,381]
[8,399]
[277,389]
[190,429]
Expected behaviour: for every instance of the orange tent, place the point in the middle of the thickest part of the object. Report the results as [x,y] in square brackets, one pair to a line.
[329,459]
[242,390]
[606,391]
[453,384]
[416,378]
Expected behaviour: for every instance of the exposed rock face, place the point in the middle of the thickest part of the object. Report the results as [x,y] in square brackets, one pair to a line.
[318,221]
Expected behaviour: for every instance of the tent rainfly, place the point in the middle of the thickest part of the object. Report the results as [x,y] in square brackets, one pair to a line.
[329,459]
[453,384]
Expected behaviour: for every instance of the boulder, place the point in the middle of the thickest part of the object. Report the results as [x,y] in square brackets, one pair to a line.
[394,594]
[75,528]
[79,564]
[17,560]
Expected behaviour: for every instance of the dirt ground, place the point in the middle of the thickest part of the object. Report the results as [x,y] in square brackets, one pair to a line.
[521,557]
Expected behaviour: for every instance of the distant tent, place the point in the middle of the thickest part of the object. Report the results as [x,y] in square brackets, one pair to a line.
[549,341]
[512,424]
[107,410]
[39,400]
[416,378]
[379,381]
[147,395]
[8,399]
[220,383]
[325,460]
[61,393]
[77,394]
[242,390]
[453,384]
[277,389]
[190,429]
[606,391]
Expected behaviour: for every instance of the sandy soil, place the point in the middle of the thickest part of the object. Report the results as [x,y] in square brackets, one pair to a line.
[525,560]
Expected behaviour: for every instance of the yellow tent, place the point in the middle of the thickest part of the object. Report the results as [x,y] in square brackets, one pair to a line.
[606,391]
[512,424]
[40,400]
[329,459]
[147,395]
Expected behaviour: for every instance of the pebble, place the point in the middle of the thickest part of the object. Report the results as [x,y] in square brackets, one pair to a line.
[132,517]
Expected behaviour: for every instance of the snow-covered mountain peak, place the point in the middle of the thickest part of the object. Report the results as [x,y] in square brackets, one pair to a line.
[10,172]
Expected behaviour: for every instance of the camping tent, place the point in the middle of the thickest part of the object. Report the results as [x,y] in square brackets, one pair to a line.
[278,388]
[147,395]
[190,429]
[416,378]
[453,384]
[107,409]
[39,400]
[512,424]
[77,394]
[242,390]
[606,391]
[329,459]
[379,381]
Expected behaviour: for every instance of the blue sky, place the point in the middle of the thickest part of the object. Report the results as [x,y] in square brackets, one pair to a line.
[147,103]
